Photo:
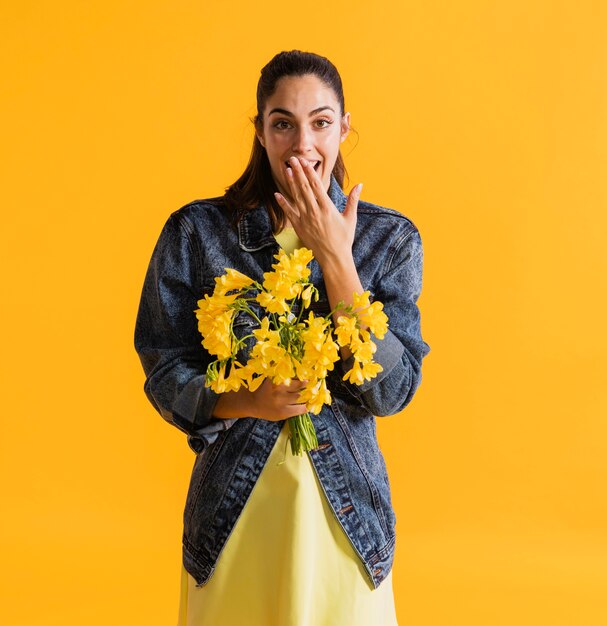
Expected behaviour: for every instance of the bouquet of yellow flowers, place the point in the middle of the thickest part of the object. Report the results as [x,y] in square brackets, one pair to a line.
[286,346]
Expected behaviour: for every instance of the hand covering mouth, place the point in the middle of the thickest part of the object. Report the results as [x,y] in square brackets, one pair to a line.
[316,165]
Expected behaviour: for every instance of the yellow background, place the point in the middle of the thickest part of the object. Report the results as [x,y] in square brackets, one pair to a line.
[484,122]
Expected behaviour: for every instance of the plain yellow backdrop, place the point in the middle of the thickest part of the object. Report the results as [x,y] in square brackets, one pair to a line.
[485,122]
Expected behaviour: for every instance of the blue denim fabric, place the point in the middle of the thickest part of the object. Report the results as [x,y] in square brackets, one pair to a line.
[195,245]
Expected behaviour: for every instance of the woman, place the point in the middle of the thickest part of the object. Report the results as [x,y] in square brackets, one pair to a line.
[271,538]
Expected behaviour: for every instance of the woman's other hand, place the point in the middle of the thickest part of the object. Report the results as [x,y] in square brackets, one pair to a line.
[269,401]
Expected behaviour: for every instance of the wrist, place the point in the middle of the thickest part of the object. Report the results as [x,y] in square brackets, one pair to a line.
[338,266]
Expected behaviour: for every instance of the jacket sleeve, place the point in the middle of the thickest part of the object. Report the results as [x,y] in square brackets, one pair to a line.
[402,349]
[168,342]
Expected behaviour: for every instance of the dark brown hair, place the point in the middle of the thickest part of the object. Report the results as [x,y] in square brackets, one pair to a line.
[256,185]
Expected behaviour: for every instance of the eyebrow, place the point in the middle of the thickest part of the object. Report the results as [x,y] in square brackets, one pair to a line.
[310,114]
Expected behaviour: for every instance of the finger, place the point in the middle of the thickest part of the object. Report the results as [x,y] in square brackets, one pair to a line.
[295,389]
[301,178]
[289,209]
[294,187]
[350,210]
[318,189]
[296,409]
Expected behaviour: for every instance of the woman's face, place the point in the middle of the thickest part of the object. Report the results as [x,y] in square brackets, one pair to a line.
[302,119]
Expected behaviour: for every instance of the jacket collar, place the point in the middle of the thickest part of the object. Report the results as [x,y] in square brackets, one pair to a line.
[255,228]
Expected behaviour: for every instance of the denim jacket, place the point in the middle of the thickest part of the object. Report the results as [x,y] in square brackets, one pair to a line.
[197,244]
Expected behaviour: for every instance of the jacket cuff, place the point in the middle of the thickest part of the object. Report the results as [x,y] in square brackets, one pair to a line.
[193,413]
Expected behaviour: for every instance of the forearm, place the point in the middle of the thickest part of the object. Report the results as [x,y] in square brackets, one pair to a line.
[341,281]
[234,404]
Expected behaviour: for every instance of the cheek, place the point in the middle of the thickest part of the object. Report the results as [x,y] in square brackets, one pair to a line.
[277,141]
[331,143]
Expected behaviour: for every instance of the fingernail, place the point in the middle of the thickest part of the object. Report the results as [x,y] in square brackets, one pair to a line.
[359,187]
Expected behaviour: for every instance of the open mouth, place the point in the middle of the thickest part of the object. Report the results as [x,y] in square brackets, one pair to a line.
[316,165]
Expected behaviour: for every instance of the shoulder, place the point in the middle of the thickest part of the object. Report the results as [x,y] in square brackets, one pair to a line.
[201,208]
[200,213]
[377,221]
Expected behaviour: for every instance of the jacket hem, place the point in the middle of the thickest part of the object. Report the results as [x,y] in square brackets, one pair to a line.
[381,564]
[195,565]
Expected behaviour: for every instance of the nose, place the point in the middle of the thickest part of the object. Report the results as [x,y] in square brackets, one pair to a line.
[302,143]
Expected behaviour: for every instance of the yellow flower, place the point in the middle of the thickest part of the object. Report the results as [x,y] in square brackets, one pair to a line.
[300,258]
[346,329]
[256,364]
[265,334]
[271,303]
[375,319]
[304,369]
[280,285]
[364,351]
[262,355]
[370,315]
[272,361]
[254,383]
[232,279]
[238,375]
[217,303]
[315,330]
[285,281]
[294,265]
[361,300]
[355,375]
[314,395]
[306,295]
[222,384]
[371,370]
[216,335]
[361,372]
[320,351]
[329,353]
[247,373]
[284,371]
[364,334]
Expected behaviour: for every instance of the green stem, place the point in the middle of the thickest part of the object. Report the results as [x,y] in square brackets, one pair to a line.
[303,434]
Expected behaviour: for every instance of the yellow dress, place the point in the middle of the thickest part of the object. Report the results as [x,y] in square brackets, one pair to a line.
[288,561]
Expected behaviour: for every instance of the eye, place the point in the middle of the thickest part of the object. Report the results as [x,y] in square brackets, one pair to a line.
[322,123]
